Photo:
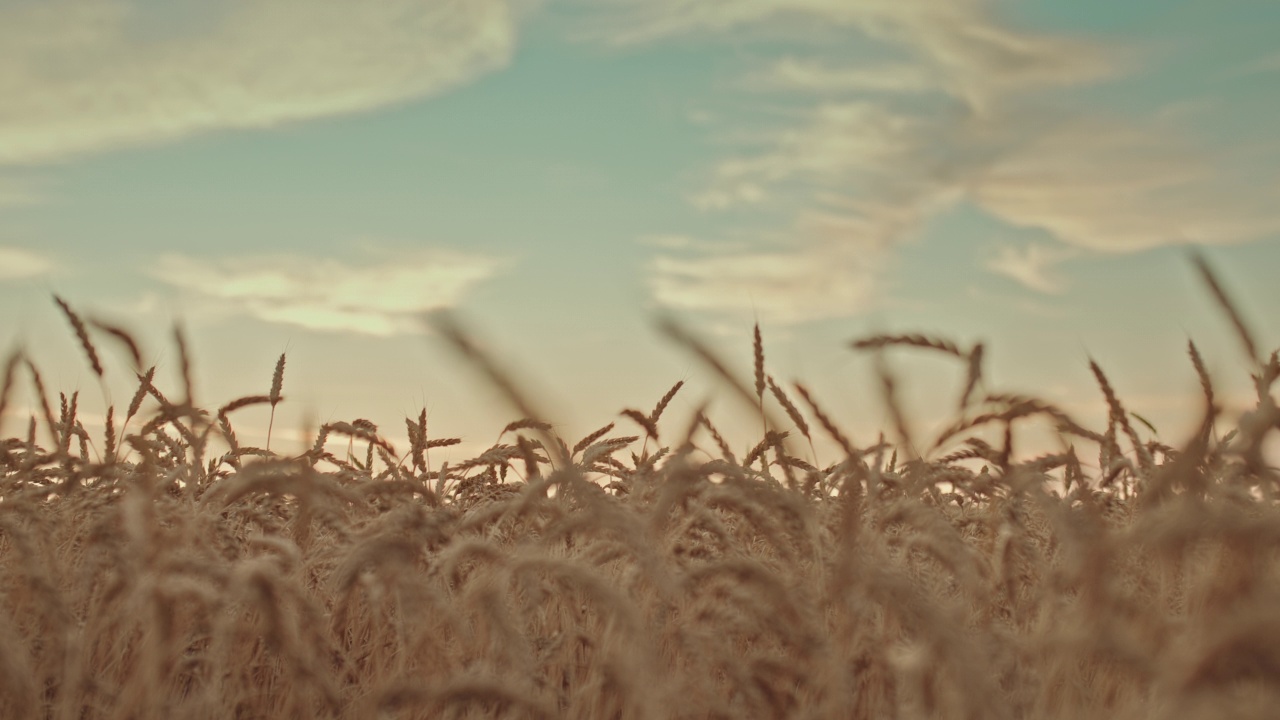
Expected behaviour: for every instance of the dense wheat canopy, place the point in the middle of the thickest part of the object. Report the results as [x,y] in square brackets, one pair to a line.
[164,570]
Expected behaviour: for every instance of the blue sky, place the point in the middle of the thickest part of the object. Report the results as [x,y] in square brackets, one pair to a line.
[310,177]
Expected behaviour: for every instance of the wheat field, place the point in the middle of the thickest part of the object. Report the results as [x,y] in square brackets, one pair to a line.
[161,569]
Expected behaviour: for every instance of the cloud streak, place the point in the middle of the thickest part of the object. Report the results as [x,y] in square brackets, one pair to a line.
[1031,266]
[80,76]
[953,105]
[380,298]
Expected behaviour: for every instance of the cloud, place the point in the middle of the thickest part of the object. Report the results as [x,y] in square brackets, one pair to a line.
[379,298]
[948,103]
[973,54]
[815,76]
[1115,187]
[18,263]
[79,76]
[884,147]
[784,284]
[1030,266]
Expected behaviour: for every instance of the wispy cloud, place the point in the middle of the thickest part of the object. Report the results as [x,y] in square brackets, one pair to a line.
[86,75]
[382,296]
[817,76]
[1031,266]
[17,263]
[975,55]
[784,284]
[1112,186]
[951,104]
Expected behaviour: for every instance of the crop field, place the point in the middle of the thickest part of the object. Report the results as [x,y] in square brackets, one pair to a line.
[158,568]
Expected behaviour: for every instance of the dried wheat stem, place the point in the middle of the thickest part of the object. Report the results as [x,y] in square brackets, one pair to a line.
[1220,295]
[82,334]
[662,404]
[43,397]
[10,378]
[825,421]
[757,346]
[125,338]
[592,437]
[1120,417]
[911,340]
[277,383]
[449,328]
[650,428]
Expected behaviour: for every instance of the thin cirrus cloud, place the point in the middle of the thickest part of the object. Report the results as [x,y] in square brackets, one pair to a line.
[384,297]
[1031,266]
[830,272]
[815,76]
[80,76]
[963,108]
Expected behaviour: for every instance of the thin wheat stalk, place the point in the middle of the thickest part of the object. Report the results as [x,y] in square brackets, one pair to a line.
[889,395]
[277,384]
[794,414]
[1120,417]
[1202,373]
[825,421]
[1220,295]
[757,346]
[184,363]
[125,338]
[590,438]
[974,375]
[524,424]
[43,397]
[109,431]
[243,402]
[10,379]
[877,342]
[417,431]
[678,334]
[725,451]
[444,323]
[639,418]
[662,403]
[82,334]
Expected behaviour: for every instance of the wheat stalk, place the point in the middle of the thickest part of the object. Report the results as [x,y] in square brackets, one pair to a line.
[82,334]
[1228,307]
[274,397]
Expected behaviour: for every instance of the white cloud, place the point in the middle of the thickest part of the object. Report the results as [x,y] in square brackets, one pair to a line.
[974,55]
[1113,187]
[87,75]
[816,76]
[1031,266]
[786,284]
[950,104]
[384,297]
[17,263]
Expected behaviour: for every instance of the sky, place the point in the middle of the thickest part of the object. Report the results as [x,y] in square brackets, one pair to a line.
[310,177]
